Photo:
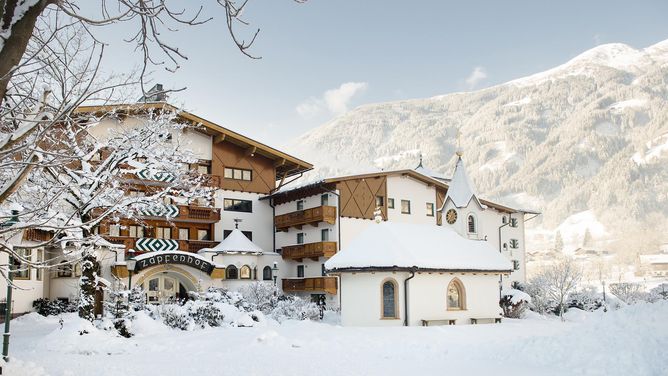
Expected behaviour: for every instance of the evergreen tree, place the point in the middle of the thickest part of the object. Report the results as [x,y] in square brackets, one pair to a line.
[558,242]
[87,286]
[587,241]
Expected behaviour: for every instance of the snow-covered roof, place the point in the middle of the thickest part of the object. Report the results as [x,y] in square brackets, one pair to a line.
[407,245]
[460,189]
[659,258]
[235,242]
[430,173]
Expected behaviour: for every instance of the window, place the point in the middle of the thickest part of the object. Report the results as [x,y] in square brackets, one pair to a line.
[471,224]
[249,234]
[323,271]
[203,235]
[244,206]
[163,232]
[516,265]
[514,243]
[21,270]
[324,235]
[324,200]
[504,219]
[167,200]
[300,238]
[203,169]
[300,271]
[380,201]
[430,209]
[238,174]
[390,203]
[513,222]
[245,272]
[300,205]
[114,230]
[266,273]
[232,272]
[136,231]
[184,233]
[405,207]
[456,297]
[77,269]
[389,292]
[40,259]
[64,270]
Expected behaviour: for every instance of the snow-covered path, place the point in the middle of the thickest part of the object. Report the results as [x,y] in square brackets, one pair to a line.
[632,341]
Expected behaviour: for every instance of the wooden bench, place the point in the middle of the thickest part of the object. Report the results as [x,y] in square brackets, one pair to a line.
[449,321]
[497,320]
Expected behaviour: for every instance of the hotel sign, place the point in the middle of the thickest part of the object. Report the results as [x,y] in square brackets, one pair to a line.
[174,258]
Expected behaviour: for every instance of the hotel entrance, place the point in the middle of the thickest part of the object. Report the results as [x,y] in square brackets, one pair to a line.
[167,285]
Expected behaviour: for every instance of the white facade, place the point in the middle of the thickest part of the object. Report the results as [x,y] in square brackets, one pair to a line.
[406,188]
[362,298]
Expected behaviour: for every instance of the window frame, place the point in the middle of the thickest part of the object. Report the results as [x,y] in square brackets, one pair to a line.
[430,209]
[390,203]
[300,237]
[267,276]
[233,205]
[301,271]
[395,286]
[470,217]
[245,268]
[323,237]
[231,271]
[380,201]
[240,174]
[17,265]
[300,205]
[324,199]
[39,272]
[408,202]
[461,295]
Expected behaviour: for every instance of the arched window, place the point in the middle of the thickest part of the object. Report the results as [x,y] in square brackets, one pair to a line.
[232,272]
[471,222]
[245,272]
[456,295]
[389,294]
[266,273]
[64,270]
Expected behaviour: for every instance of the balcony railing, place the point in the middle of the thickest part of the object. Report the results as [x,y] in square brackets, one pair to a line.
[310,250]
[308,216]
[177,213]
[326,284]
[143,245]
[37,235]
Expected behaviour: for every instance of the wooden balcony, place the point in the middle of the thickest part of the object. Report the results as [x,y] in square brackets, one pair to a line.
[311,250]
[183,245]
[311,216]
[37,235]
[326,284]
[200,214]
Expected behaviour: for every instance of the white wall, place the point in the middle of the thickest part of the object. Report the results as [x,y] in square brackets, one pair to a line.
[260,221]
[418,193]
[199,143]
[361,298]
[28,291]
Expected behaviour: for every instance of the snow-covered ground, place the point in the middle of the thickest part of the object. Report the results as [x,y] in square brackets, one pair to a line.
[631,341]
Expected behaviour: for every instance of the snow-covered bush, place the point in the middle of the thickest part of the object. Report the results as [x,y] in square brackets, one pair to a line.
[261,296]
[629,292]
[46,307]
[660,292]
[266,298]
[295,308]
[176,316]
[514,302]
[137,299]
[586,299]
[541,302]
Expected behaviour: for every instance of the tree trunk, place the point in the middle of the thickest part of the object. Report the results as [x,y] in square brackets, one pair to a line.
[19,35]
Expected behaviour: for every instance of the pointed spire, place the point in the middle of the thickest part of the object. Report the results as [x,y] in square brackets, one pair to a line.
[459,151]
[460,189]
[419,164]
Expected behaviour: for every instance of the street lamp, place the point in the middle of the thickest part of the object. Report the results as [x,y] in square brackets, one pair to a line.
[274,272]
[130,263]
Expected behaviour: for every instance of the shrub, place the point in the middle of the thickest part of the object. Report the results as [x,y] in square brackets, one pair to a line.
[660,292]
[586,299]
[295,308]
[514,302]
[629,292]
[46,307]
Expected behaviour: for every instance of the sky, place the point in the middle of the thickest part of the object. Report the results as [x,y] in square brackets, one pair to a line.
[322,58]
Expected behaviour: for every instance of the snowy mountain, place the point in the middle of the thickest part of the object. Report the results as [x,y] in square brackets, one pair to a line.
[589,136]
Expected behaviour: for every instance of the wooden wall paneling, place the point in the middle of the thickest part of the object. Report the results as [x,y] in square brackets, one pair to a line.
[227,154]
[440,197]
[358,196]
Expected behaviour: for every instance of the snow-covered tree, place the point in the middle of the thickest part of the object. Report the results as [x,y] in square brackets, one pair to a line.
[558,242]
[628,292]
[556,281]
[88,283]
[587,239]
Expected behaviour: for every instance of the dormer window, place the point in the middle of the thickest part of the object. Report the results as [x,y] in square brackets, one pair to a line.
[471,224]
